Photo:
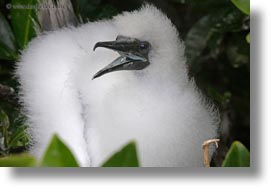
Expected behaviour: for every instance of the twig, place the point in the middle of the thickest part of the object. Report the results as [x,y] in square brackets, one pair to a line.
[205,147]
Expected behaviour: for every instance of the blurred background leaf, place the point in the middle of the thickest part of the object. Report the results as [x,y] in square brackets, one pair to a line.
[22,20]
[248,38]
[8,48]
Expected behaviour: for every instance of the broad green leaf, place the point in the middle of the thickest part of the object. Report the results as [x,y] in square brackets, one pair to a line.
[58,155]
[23,14]
[126,157]
[8,50]
[248,38]
[243,5]
[22,160]
[237,156]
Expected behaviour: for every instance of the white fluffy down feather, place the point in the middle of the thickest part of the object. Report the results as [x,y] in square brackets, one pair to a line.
[158,107]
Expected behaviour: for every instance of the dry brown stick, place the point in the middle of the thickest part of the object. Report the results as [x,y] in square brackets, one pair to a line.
[205,147]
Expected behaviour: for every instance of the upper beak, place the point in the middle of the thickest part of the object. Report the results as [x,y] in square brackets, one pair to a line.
[130,58]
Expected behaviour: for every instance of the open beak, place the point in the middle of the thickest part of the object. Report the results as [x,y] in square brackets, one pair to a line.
[131,57]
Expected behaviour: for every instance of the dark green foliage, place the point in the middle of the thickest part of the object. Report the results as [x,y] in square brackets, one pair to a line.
[12,138]
[94,10]
[126,157]
[7,40]
[16,30]
[23,21]
[218,56]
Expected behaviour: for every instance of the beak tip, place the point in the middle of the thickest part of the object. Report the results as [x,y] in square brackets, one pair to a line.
[96,76]
[95,47]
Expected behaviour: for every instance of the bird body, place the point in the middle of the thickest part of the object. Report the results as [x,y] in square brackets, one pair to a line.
[158,106]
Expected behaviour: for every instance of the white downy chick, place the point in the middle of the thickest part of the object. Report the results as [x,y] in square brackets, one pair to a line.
[143,95]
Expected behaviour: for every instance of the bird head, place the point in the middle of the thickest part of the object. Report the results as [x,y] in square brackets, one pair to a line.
[133,54]
[146,40]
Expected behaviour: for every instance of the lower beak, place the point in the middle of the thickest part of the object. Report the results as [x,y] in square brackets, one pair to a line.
[129,58]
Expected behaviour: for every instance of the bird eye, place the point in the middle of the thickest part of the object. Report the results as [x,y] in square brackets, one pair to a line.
[144,45]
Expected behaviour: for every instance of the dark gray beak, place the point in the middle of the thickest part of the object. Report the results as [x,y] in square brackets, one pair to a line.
[133,55]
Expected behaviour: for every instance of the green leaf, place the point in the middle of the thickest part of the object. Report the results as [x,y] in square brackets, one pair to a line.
[58,155]
[243,5]
[8,50]
[126,157]
[237,156]
[23,15]
[22,160]
[196,40]
[17,136]
[208,33]
[248,38]
[4,120]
